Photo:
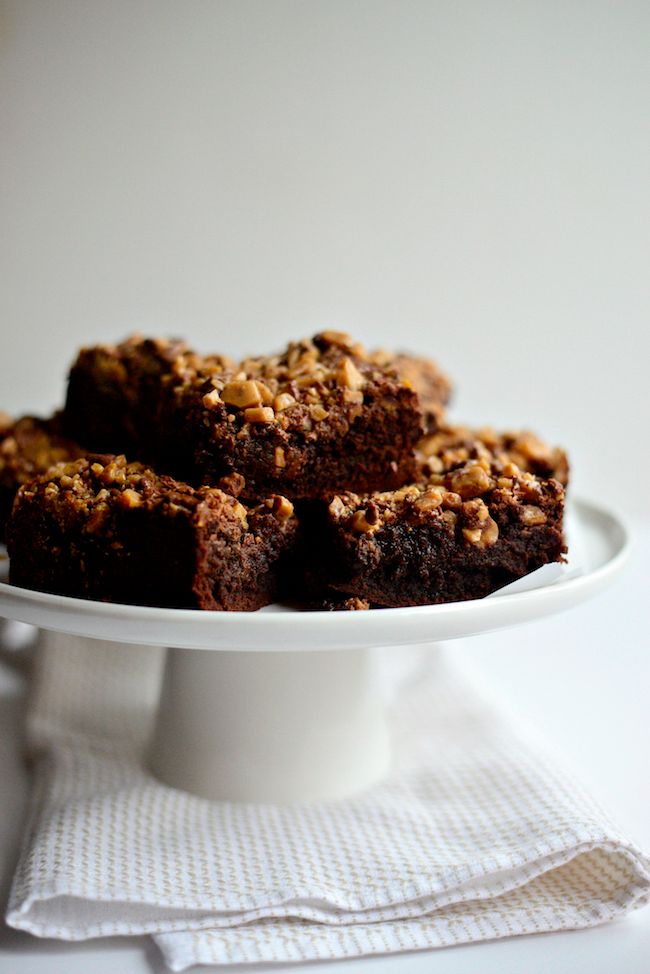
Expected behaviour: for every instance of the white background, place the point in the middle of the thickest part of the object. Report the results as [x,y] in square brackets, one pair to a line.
[469,180]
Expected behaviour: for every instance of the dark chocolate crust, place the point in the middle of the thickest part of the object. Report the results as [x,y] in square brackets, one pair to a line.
[101,528]
[28,447]
[462,535]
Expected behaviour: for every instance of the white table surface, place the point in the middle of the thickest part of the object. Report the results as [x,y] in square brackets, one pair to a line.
[583,677]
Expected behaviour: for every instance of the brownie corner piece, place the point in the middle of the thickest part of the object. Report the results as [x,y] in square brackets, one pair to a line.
[102,528]
[461,536]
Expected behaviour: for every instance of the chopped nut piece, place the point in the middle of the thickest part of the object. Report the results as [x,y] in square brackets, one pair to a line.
[430,500]
[473,535]
[308,381]
[348,375]
[259,414]
[435,464]
[331,337]
[533,515]
[450,517]
[212,399]
[266,395]
[301,358]
[337,507]
[240,511]
[483,537]
[482,513]
[317,413]
[283,401]
[470,480]
[480,529]
[282,508]
[113,473]
[530,489]
[279,458]
[361,525]
[451,501]
[354,396]
[130,498]
[242,394]
[531,447]
[232,483]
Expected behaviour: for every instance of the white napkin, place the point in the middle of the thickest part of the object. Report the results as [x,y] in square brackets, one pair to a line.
[475,834]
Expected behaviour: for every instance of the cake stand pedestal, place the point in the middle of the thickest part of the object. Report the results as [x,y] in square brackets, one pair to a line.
[280,705]
[277,726]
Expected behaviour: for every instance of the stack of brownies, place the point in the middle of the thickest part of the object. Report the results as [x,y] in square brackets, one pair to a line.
[325,476]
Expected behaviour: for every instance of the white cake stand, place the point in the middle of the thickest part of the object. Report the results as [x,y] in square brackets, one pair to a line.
[282,705]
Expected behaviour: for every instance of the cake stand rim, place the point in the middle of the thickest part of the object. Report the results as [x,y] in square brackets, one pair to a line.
[286,629]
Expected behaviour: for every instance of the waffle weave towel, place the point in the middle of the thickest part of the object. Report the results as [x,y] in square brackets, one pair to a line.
[476,834]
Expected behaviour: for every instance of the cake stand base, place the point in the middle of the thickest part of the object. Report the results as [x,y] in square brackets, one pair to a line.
[270,726]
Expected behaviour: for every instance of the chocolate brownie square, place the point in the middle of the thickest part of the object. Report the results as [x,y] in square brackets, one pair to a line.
[101,528]
[317,418]
[462,534]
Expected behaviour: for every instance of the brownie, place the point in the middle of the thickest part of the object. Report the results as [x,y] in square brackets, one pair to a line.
[318,418]
[461,534]
[101,528]
[425,377]
[453,445]
[28,446]
[120,398]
